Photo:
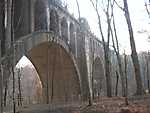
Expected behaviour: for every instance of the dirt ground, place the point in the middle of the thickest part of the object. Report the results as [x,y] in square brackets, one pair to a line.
[117,105]
[101,105]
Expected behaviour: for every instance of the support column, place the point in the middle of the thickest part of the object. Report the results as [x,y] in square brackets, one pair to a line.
[76,55]
[8,6]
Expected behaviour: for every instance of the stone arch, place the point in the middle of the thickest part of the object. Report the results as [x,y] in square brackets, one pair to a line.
[54,22]
[98,78]
[64,29]
[72,37]
[57,70]
[40,18]
[38,50]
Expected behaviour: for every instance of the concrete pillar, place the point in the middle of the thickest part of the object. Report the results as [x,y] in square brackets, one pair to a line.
[76,45]
[8,24]
[68,32]
[32,15]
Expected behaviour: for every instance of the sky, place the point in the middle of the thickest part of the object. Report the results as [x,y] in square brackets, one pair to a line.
[139,18]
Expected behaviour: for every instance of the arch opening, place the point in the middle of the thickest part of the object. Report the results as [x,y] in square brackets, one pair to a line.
[98,78]
[28,86]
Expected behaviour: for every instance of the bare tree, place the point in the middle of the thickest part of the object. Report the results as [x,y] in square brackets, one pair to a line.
[1,83]
[147,70]
[126,79]
[5,92]
[117,50]
[117,80]
[147,5]
[13,57]
[139,89]
[19,87]
[78,9]
[92,70]
[90,100]
[105,43]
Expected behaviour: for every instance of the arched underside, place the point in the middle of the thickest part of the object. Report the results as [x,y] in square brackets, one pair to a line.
[98,78]
[54,63]
[57,72]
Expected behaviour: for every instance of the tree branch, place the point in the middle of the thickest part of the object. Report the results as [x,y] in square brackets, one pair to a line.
[118,5]
[148,12]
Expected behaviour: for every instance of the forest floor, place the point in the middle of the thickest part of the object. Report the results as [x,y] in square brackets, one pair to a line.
[101,105]
[117,105]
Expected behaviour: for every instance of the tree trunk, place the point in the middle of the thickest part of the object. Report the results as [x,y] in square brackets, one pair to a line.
[117,51]
[126,79]
[147,73]
[106,47]
[107,73]
[122,76]
[119,62]
[139,89]
[1,84]
[13,96]
[78,9]
[5,93]
[117,79]
[19,88]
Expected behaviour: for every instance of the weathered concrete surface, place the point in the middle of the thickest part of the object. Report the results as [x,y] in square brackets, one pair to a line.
[56,67]
[64,60]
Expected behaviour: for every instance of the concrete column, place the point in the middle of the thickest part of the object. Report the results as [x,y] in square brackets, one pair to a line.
[32,2]
[76,55]
[60,27]
[68,32]
[8,23]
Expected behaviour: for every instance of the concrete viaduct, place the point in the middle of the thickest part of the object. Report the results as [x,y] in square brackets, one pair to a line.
[63,50]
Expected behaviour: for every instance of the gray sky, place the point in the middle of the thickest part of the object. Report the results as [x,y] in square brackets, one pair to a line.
[139,17]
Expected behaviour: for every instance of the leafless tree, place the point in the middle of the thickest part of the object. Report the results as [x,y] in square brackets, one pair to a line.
[90,100]
[5,92]
[134,55]
[19,87]
[78,9]
[126,79]
[105,43]
[147,57]
[1,83]
[147,6]
[117,50]
[92,70]
[117,80]
[139,89]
